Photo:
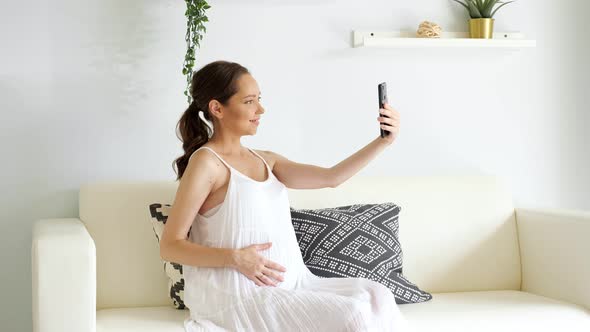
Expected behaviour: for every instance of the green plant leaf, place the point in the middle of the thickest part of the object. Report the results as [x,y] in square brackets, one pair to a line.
[473,11]
[486,9]
[500,6]
[462,4]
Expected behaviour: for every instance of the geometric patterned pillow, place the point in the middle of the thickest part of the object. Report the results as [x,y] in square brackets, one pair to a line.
[159,214]
[358,240]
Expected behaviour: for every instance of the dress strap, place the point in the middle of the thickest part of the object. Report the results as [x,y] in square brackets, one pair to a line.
[260,158]
[223,161]
[215,153]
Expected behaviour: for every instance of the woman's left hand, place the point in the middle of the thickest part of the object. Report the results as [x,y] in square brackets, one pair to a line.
[390,124]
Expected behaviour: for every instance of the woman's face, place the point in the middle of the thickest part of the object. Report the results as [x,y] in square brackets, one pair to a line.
[243,107]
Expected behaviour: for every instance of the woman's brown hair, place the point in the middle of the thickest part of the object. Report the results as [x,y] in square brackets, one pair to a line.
[216,80]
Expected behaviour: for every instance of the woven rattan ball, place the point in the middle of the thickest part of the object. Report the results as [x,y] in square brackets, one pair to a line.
[429,30]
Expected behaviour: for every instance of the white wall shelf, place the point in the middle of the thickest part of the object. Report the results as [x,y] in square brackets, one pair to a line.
[408,39]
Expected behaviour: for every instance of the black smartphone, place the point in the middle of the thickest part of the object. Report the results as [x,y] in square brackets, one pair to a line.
[382,87]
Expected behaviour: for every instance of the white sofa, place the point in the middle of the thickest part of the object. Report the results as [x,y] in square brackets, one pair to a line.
[489,266]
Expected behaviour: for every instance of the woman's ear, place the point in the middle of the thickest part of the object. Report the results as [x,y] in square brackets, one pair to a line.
[215,108]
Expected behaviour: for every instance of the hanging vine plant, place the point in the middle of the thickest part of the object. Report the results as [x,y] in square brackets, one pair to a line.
[195,29]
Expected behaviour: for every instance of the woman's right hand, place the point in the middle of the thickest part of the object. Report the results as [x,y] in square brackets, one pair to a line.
[257,268]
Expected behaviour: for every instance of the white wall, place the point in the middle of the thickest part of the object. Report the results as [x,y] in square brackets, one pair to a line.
[93,90]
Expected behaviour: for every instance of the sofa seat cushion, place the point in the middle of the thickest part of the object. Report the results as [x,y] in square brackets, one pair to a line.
[141,319]
[507,310]
[466,311]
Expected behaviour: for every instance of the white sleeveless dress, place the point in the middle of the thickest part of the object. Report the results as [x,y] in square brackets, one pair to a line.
[223,299]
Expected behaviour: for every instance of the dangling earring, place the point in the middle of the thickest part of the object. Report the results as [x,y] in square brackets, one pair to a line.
[202,116]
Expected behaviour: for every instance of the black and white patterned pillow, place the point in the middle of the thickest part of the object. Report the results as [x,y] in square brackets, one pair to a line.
[159,214]
[358,240]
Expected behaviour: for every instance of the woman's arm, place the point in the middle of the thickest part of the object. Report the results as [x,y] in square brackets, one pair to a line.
[351,165]
[302,176]
[195,185]
[187,253]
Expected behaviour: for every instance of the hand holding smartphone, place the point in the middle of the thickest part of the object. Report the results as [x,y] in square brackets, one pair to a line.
[382,87]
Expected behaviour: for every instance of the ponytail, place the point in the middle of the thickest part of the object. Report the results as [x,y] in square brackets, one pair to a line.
[192,125]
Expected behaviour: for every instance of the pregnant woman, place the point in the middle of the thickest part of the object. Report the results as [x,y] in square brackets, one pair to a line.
[242,266]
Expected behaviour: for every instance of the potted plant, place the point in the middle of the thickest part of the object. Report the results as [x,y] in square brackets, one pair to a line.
[481,24]
[195,13]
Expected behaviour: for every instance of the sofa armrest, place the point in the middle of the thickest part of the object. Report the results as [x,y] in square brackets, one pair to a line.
[63,276]
[555,253]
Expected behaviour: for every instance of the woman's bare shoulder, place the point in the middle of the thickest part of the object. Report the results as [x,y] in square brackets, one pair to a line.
[203,161]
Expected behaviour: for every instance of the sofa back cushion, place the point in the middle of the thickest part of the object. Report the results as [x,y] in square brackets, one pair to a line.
[458,233]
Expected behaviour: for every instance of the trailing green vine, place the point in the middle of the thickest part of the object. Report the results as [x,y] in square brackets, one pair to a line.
[195,29]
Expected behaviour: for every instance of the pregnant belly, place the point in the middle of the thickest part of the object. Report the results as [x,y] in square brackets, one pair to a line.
[284,250]
[210,291]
